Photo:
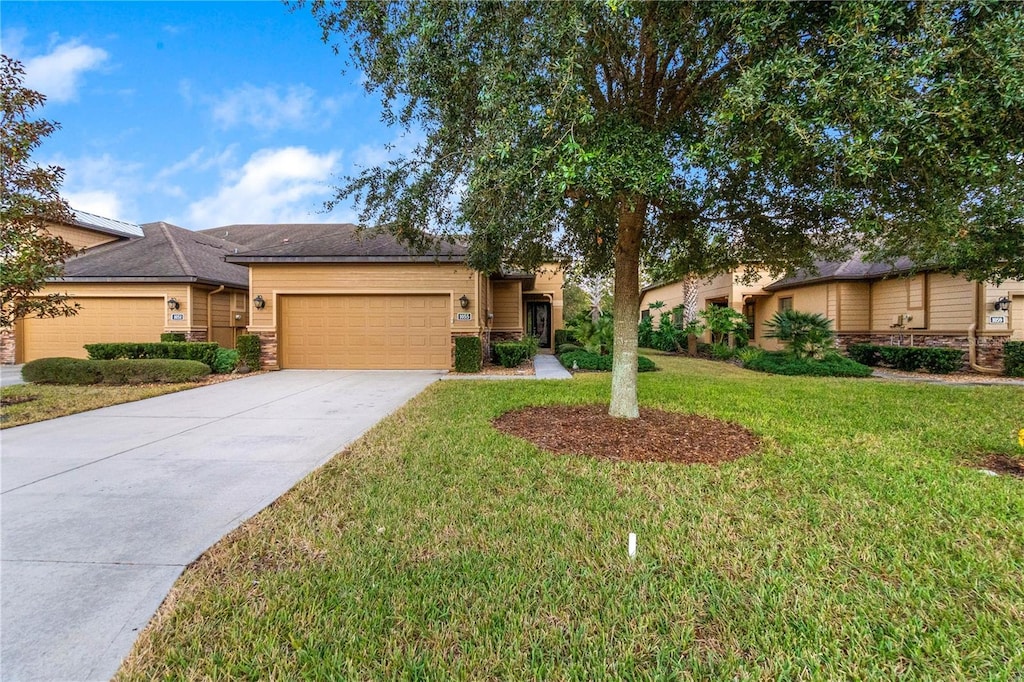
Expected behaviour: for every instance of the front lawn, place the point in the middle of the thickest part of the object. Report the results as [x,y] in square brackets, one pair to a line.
[856,544]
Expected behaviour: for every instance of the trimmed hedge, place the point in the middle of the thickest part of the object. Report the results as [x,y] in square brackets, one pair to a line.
[172,337]
[864,353]
[908,358]
[469,354]
[62,371]
[511,353]
[563,336]
[248,346]
[600,363]
[1013,358]
[205,353]
[69,371]
[784,362]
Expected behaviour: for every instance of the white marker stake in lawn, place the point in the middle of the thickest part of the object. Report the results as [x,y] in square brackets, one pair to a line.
[632,545]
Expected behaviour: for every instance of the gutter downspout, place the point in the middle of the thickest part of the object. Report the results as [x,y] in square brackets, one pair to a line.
[972,353]
[209,311]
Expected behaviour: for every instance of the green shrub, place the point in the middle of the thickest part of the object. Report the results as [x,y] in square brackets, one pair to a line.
[248,346]
[226,360]
[122,372]
[113,372]
[564,336]
[581,359]
[61,371]
[1013,358]
[806,335]
[596,337]
[720,351]
[468,354]
[748,353]
[172,337]
[667,336]
[645,333]
[205,353]
[511,353]
[942,360]
[905,358]
[567,348]
[864,353]
[785,362]
[722,321]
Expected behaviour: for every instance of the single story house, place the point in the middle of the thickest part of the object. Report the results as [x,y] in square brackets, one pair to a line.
[873,303]
[334,297]
[133,283]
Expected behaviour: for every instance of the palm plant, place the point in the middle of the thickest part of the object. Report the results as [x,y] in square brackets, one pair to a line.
[807,335]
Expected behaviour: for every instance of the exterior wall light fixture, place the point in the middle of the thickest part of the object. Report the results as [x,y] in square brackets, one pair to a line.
[464,302]
[1002,304]
[172,304]
[259,303]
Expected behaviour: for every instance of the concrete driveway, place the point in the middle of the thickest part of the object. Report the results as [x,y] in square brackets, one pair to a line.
[101,511]
[10,375]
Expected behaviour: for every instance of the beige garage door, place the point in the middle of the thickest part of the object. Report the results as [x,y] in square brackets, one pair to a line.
[364,332]
[99,320]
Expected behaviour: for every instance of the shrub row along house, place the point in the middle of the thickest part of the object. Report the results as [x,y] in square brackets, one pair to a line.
[318,296]
[871,303]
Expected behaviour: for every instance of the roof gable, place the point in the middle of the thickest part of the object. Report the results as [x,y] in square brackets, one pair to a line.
[164,253]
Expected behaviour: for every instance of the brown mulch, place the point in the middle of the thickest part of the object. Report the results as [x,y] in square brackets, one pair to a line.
[1004,465]
[657,436]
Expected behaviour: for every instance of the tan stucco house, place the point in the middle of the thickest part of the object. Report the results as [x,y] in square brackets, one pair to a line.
[335,297]
[872,302]
[132,283]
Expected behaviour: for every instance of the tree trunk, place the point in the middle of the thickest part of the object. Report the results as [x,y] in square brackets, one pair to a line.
[689,299]
[627,309]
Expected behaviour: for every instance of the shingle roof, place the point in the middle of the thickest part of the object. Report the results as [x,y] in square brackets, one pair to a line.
[854,269]
[109,225]
[302,242]
[165,253]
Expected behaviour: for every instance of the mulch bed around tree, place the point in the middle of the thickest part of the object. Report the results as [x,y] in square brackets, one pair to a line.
[657,436]
[1004,465]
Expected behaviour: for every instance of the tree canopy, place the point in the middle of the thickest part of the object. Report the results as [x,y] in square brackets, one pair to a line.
[30,197]
[703,135]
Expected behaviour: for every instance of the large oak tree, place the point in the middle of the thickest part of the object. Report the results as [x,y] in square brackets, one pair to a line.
[705,134]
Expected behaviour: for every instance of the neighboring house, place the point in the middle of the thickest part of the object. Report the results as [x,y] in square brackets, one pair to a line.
[330,296]
[876,303]
[133,283]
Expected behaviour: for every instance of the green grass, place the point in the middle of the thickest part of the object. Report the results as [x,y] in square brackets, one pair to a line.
[854,546]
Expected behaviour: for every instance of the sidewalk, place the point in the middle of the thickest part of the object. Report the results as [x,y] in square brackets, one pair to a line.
[544,367]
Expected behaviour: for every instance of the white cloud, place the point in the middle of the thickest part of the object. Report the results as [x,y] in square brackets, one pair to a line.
[102,203]
[274,186]
[103,185]
[200,160]
[58,74]
[271,108]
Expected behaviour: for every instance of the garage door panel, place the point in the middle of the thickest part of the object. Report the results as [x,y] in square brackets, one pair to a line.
[365,332]
[99,320]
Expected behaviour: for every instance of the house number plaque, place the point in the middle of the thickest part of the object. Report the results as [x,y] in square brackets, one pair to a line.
[997,320]
[177,316]
[461,317]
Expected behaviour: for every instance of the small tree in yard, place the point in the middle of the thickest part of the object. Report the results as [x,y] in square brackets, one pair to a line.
[29,255]
[808,335]
[711,134]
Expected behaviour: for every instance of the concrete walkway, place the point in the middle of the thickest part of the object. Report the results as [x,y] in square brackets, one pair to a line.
[102,510]
[10,375]
[544,367]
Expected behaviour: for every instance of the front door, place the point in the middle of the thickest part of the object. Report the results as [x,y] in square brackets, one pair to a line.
[538,323]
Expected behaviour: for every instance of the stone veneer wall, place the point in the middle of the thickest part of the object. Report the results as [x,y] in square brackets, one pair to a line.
[990,348]
[268,349]
[497,337]
[6,346]
[196,336]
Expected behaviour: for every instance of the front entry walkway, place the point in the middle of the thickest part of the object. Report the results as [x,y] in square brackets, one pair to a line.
[101,511]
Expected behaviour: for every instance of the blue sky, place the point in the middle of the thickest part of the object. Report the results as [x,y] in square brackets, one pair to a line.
[196,113]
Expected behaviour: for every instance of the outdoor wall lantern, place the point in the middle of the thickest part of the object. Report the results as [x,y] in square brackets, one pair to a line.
[1002,304]
[172,304]
[259,303]
[464,302]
